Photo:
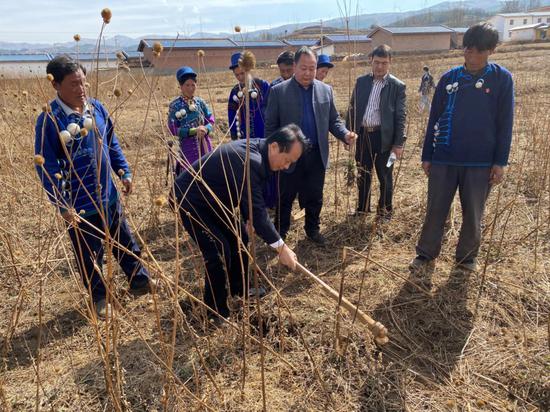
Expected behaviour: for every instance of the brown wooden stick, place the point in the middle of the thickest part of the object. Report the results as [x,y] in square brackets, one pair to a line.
[378,330]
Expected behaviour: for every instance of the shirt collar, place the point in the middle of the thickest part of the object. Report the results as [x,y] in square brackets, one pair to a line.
[302,87]
[68,111]
[384,79]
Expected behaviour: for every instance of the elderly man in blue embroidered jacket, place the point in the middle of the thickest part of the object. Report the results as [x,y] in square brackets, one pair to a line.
[309,103]
[377,110]
[466,146]
[76,153]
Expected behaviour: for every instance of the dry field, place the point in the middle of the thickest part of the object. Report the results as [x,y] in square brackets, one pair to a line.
[461,343]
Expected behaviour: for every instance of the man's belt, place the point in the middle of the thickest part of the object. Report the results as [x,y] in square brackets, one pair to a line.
[371,129]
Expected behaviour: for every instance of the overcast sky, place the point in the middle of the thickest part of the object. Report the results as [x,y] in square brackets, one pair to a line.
[57,20]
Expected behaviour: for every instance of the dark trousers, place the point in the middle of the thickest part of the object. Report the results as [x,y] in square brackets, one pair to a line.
[219,246]
[89,249]
[473,188]
[368,155]
[307,181]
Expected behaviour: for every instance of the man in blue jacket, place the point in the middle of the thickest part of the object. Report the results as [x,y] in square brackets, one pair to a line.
[76,154]
[466,146]
[213,200]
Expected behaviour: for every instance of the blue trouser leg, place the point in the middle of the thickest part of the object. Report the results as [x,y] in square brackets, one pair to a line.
[88,249]
[124,242]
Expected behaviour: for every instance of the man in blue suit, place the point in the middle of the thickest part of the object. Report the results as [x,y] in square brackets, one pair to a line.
[309,103]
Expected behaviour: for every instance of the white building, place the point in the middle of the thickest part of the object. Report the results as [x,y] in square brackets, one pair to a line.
[327,49]
[23,65]
[531,32]
[503,22]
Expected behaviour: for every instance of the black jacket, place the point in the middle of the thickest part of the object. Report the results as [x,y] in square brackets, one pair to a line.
[392,109]
[219,188]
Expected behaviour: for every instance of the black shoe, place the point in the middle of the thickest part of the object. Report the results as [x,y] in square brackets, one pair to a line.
[318,238]
[359,213]
[139,288]
[218,321]
[384,215]
[420,262]
[469,265]
[261,291]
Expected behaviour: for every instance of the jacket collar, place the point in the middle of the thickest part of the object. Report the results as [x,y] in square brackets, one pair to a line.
[67,110]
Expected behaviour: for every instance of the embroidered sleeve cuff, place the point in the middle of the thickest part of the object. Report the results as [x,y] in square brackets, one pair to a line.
[277,244]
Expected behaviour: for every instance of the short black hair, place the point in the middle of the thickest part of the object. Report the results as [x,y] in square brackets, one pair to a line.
[482,36]
[286,57]
[382,51]
[304,50]
[286,136]
[426,68]
[63,65]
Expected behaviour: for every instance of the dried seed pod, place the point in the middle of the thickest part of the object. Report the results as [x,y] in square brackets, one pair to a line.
[160,201]
[237,29]
[157,47]
[247,62]
[39,160]
[200,53]
[76,37]
[117,92]
[106,14]
[83,132]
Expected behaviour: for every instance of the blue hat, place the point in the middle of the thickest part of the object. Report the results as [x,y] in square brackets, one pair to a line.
[235,60]
[323,60]
[184,73]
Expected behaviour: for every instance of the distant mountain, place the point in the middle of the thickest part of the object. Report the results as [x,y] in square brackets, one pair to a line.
[453,13]
[205,35]
[451,18]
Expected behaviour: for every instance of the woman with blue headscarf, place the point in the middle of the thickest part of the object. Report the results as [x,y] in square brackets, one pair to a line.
[190,119]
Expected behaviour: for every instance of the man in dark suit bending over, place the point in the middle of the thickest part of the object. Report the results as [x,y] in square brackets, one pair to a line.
[213,203]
